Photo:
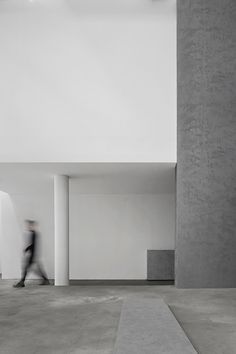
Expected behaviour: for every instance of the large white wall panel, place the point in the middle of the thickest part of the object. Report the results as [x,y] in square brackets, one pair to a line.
[88,80]
[110,234]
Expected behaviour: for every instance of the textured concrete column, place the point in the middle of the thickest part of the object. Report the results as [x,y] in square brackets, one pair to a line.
[206,167]
[61,220]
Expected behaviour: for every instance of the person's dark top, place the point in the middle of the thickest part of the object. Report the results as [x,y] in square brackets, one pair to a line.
[32,246]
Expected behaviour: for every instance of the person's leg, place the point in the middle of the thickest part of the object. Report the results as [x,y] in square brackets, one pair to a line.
[42,273]
[24,273]
[25,270]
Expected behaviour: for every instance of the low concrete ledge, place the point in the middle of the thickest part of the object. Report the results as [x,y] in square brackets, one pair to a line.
[147,326]
[160,264]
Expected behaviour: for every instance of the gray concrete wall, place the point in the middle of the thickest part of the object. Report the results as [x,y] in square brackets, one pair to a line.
[206,170]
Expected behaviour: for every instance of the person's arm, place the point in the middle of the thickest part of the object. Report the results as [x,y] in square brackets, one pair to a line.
[29,248]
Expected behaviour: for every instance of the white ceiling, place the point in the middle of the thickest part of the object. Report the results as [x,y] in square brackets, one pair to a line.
[83,7]
[89,178]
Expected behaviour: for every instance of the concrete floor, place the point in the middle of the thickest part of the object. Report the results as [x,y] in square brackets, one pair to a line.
[84,319]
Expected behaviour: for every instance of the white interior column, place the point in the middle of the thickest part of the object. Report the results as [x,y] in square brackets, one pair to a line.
[61,221]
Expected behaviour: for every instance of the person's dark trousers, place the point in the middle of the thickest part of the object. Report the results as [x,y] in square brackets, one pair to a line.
[39,270]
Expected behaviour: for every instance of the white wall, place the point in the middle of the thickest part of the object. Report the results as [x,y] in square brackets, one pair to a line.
[15,209]
[109,233]
[88,80]
[1,197]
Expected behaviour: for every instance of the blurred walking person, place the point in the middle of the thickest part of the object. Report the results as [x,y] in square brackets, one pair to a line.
[31,258]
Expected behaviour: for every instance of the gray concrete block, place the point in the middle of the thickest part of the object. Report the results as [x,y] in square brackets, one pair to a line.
[147,326]
[160,264]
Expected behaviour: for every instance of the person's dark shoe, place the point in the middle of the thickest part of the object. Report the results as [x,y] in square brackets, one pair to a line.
[45,282]
[20,284]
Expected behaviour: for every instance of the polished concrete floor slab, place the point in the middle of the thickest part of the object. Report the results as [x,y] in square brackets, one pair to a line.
[85,319]
[148,326]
